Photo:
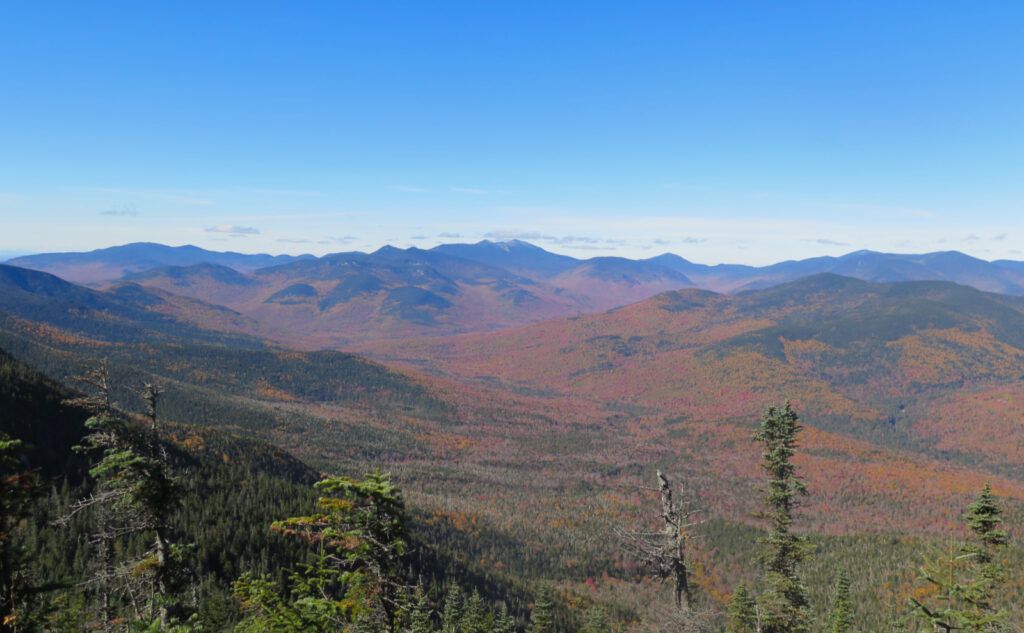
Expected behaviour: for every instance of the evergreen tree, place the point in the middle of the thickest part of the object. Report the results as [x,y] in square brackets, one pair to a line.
[841,618]
[964,579]
[136,494]
[783,605]
[454,606]
[542,620]
[475,619]
[503,621]
[354,582]
[945,576]
[597,621]
[983,518]
[421,622]
[741,612]
[20,607]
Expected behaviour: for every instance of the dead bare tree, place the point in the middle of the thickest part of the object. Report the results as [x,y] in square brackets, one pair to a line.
[664,552]
[97,381]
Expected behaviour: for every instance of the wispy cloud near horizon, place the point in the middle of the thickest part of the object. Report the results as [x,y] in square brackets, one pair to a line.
[233,230]
[126,211]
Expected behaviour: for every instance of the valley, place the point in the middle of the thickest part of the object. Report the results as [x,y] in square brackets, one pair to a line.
[524,420]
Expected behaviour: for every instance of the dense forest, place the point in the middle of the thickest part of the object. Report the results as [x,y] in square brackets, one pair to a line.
[601,472]
[118,520]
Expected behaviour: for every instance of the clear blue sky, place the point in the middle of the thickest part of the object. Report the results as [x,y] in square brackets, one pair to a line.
[745,132]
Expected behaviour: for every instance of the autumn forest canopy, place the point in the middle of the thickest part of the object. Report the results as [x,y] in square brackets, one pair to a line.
[483,438]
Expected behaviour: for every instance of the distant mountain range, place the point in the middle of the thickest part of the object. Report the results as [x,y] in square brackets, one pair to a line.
[108,264]
[454,288]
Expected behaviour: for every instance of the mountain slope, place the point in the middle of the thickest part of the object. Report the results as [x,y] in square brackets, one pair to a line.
[858,358]
[108,264]
[888,267]
[126,314]
[531,444]
[387,294]
[514,255]
[341,299]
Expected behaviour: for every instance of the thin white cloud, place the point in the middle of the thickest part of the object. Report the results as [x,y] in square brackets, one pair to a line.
[233,229]
[828,242]
[572,239]
[285,240]
[125,211]
[589,247]
[514,235]
[449,235]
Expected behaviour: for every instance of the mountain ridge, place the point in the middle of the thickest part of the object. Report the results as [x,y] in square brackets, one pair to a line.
[533,262]
[342,298]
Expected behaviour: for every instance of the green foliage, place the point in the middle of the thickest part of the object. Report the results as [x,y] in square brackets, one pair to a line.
[963,583]
[597,621]
[983,519]
[505,623]
[137,494]
[421,621]
[454,607]
[841,617]
[354,581]
[21,607]
[741,612]
[946,602]
[783,605]
[542,620]
[476,618]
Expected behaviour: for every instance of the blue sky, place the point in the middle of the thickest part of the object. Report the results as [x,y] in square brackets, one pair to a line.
[746,132]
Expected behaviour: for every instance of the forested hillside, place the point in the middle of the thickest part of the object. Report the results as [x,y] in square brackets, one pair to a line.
[526,457]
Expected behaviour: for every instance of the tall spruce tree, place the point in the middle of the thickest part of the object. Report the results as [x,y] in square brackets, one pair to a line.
[841,616]
[542,620]
[945,576]
[783,605]
[136,494]
[476,619]
[421,620]
[741,612]
[983,517]
[454,607]
[504,622]
[964,578]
